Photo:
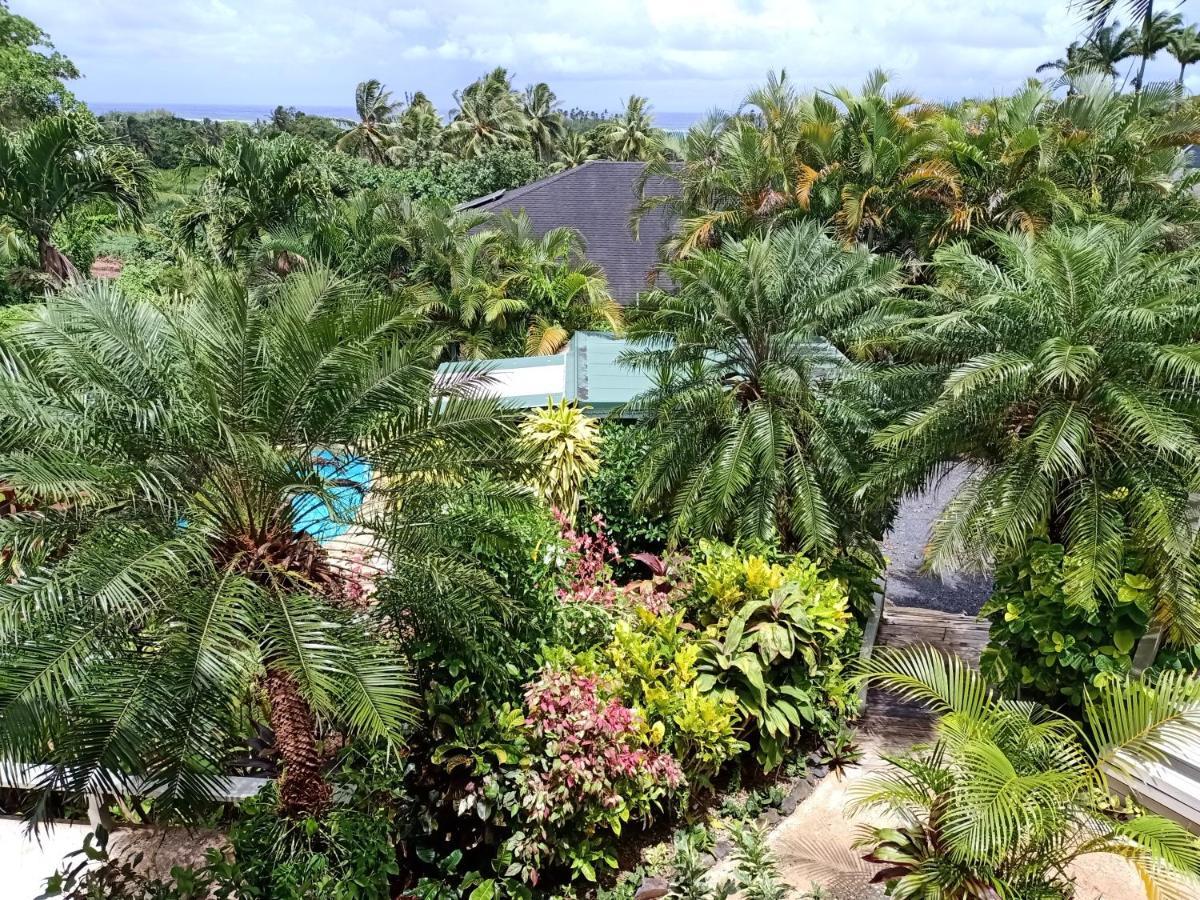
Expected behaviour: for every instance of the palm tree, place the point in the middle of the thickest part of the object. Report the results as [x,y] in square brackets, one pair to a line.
[1012,165]
[893,187]
[631,136]
[255,187]
[1107,46]
[382,238]
[505,290]
[167,582]
[57,166]
[372,134]
[558,288]
[545,121]
[1155,35]
[418,134]
[1062,368]
[1069,64]
[1098,12]
[574,150]
[731,185]
[754,435]
[1117,150]
[1012,793]
[1184,45]
[489,116]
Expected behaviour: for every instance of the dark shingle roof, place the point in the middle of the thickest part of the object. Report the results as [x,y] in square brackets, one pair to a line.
[596,199]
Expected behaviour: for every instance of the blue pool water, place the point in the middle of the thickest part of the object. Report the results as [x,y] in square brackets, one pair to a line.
[319,519]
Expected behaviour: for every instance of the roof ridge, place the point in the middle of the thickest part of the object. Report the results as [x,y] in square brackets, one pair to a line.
[524,189]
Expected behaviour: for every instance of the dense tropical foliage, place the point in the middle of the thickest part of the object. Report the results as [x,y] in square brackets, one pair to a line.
[261,515]
[1011,793]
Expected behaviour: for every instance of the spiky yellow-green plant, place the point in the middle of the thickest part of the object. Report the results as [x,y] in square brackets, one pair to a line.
[566,445]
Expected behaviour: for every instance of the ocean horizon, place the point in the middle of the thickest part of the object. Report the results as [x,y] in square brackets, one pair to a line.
[246,112]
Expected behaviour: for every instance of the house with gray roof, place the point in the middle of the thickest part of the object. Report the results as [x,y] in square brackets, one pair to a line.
[597,199]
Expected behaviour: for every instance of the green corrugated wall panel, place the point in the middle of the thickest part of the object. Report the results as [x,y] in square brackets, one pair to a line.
[607,381]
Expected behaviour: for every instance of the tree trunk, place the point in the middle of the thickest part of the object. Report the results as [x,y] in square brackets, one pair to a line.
[1137,87]
[1182,66]
[303,789]
[55,264]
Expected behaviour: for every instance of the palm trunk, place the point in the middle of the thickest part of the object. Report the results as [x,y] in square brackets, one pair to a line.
[55,264]
[303,789]
[1182,66]
[1149,17]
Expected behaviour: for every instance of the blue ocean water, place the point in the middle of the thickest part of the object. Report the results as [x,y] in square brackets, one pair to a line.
[234,112]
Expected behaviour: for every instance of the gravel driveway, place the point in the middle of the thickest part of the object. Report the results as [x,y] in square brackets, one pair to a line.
[904,546]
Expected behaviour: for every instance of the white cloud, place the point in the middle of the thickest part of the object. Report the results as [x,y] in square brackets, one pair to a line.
[683,54]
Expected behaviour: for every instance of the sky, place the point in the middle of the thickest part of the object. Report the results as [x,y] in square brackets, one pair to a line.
[685,55]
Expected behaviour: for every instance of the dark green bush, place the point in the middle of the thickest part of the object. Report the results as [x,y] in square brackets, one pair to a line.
[349,854]
[610,492]
[450,180]
[1043,647]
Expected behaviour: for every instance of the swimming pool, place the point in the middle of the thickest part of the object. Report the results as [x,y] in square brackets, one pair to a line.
[325,522]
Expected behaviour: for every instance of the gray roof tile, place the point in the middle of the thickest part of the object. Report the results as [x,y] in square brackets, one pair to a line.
[596,199]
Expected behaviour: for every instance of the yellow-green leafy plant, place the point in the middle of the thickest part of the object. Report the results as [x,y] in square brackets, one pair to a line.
[778,654]
[566,445]
[725,578]
[653,659]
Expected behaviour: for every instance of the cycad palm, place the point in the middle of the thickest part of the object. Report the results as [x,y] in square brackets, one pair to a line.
[373,133]
[755,437]
[1011,793]
[163,584]
[57,165]
[1066,372]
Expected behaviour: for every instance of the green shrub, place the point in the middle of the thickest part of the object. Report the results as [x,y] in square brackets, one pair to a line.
[651,661]
[610,493]
[776,646]
[451,180]
[590,766]
[1044,647]
[349,854]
